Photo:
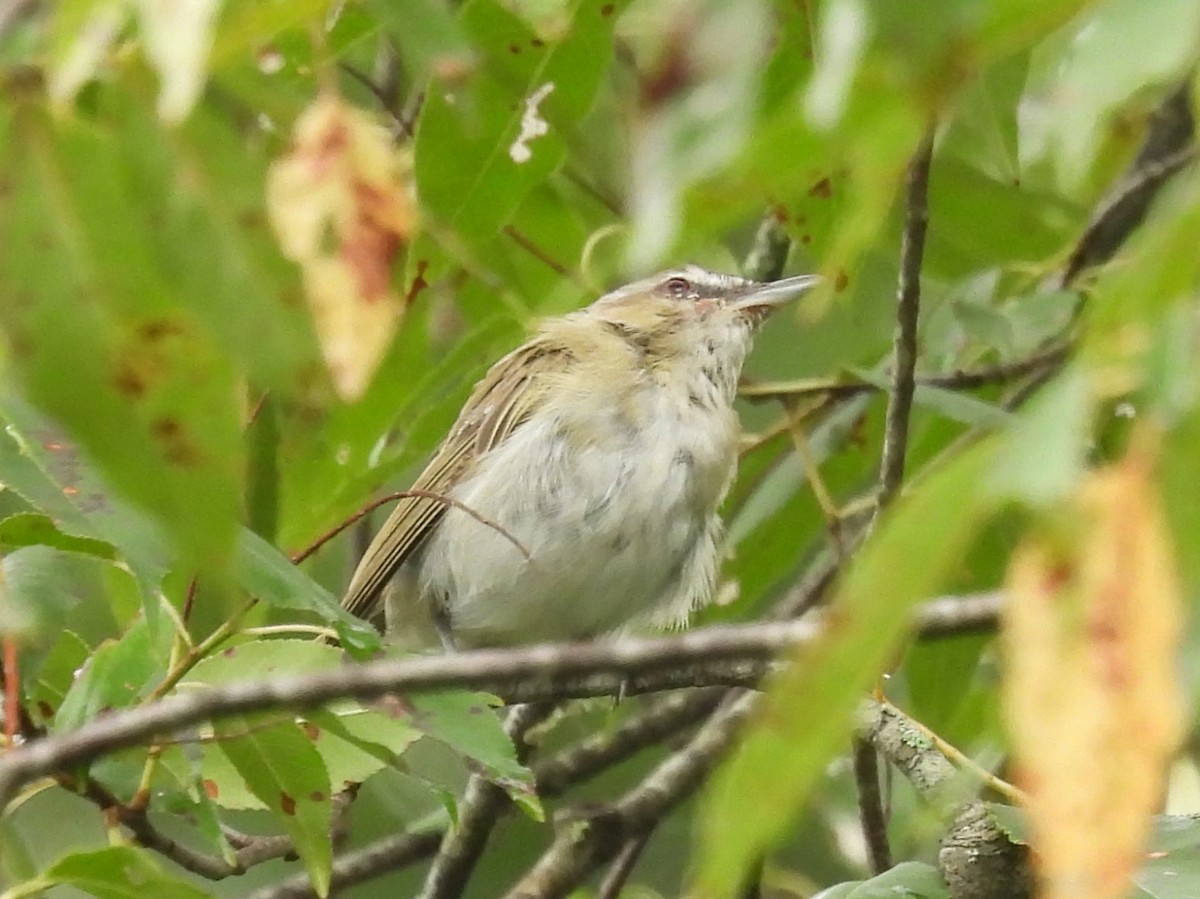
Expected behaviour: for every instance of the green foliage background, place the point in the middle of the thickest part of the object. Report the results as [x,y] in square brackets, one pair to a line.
[146,310]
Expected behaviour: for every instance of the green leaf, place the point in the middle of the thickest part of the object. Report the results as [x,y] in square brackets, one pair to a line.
[1118,50]
[284,771]
[116,675]
[954,405]
[353,742]
[45,467]
[117,872]
[467,723]
[1043,455]
[471,164]
[356,742]
[907,880]
[33,529]
[269,575]
[129,372]
[805,716]
[55,675]
[431,40]
[37,589]
[256,659]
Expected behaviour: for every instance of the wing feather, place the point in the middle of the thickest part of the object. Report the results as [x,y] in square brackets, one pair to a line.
[497,407]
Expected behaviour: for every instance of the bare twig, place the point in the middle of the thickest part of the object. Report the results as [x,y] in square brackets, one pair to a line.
[959,379]
[977,859]
[895,449]
[303,554]
[872,816]
[622,867]
[908,306]
[1168,147]
[665,716]
[388,854]
[582,846]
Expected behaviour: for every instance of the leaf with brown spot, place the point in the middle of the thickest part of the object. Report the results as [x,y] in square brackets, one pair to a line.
[285,772]
[1091,694]
[344,179]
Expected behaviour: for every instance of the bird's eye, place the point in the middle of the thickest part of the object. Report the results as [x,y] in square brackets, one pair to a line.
[678,287]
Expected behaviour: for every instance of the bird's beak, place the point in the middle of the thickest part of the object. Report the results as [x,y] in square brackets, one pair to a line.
[762,298]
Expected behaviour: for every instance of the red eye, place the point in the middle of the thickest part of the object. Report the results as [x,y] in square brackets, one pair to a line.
[678,287]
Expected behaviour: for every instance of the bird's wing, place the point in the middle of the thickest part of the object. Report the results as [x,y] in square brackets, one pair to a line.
[498,405]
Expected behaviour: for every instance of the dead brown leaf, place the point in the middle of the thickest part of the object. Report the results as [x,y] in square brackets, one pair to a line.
[1091,693]
[341,205]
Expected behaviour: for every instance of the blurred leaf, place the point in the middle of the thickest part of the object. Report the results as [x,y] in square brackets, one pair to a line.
[116,872]
[1043,455]
[340,203]
[914,880]
[81,35]
[285,772]
[1022,225]
[36,591]
[177,37]
[44,466]
[1122,48]
[55,675]
[33,529]
[128,371]
[961,407]
[1091,633]
[806,713]
[431,40]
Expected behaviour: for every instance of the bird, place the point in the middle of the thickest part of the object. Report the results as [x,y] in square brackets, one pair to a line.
[578,493]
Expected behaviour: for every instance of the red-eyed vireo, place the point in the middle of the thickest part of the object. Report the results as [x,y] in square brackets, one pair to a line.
[578,491]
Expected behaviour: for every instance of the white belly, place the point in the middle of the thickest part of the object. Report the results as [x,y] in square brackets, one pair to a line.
[621,529]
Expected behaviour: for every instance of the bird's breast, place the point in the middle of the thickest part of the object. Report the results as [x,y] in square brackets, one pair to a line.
[613,504]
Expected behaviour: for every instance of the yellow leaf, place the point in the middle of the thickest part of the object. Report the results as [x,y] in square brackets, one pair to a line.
[341,205]
[1091,693]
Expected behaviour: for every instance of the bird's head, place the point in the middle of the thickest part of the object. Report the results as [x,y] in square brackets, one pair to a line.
[691,311]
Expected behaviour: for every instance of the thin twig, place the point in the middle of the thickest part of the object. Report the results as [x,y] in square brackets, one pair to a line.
[303,554]
[870,805]
[1168,147]
[389,854]
[526,244]
[618,873]
[578,850]
[959,379]
[895,449]
[908,306]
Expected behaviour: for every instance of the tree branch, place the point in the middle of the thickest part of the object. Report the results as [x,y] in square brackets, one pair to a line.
[496,670]
[977,859]
[582,846]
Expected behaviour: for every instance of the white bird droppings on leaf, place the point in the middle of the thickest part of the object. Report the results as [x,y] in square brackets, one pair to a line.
[533,125]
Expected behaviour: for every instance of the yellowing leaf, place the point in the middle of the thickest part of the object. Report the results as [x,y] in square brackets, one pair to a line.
[1091,693]
[340,204]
